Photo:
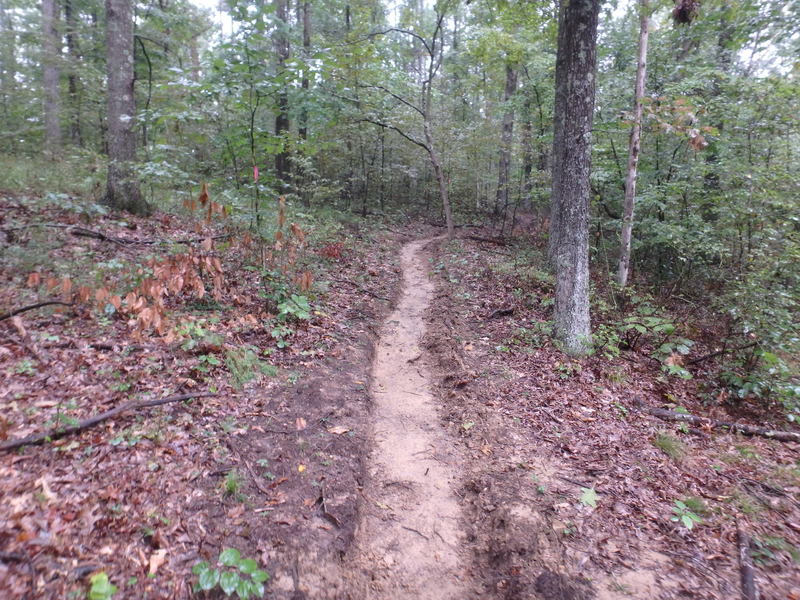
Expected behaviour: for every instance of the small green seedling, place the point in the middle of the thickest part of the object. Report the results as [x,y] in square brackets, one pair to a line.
[237,575]
[684,515]
[101,588]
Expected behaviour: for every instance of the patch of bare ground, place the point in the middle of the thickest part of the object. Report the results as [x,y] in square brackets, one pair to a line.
[410,539]
[546,437]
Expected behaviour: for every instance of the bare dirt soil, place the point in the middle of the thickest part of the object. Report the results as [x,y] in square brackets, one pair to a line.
[411,527]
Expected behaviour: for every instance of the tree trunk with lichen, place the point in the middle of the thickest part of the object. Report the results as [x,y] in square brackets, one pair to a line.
[572,145]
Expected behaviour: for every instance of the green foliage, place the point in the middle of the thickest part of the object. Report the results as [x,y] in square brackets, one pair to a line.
[232,483]
[233,575]
[101,588]
[245,365]
[684,515]
[670,445]
[589,497]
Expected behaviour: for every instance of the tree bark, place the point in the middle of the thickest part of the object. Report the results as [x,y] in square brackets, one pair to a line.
[634,147]
[304,17]
[576,63]
[51,75]
[504,162]
[281,43]
[527,154]
[75,132]
[122,188]
[8,72]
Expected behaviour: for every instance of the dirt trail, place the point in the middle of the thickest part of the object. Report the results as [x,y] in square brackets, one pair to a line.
[410,535]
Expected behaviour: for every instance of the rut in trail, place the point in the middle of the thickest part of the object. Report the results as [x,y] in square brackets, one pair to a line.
[410,535]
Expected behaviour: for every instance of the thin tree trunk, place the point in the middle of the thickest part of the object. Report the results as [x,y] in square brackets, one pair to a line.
[8,71]
[304,17]
[634,147]
[75,133]
[527,154]
[51,54]
[504,163]
[122,190]
[281,42]
[576,64]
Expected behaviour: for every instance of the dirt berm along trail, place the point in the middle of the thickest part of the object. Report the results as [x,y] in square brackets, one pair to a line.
[410,533]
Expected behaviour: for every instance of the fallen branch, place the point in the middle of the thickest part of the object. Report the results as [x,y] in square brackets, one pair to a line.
[19,311]
[694,361]
[38,438]
[478,238]
[363,289]
[99,235]
[668,415]
[746,568]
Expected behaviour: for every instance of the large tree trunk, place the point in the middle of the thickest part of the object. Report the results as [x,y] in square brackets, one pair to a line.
[51,53]
[572,150]
[633,148]
[122,189]
[504,162]
[281,42]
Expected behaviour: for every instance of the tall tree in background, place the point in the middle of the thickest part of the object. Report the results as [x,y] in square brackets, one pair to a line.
[634,146]
[122,188]
[576,63]
[504,162]
[51,75]
[281,41]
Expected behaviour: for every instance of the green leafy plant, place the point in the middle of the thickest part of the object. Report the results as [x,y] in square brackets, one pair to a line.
[100,587]
[233,575]
[295,307]
[670,445]
[244,365]
[683,514]
[232,483]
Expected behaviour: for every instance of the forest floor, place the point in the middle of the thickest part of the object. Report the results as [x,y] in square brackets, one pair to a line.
[410,432]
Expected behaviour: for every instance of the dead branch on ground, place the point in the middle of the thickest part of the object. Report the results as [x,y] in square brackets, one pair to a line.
[749,430]
[746,568]
[19,311]
[38,438]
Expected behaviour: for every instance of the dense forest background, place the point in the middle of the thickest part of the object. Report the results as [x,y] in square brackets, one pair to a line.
[366,108]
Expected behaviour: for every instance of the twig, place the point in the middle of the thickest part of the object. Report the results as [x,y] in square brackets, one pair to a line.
[19,311]
[365,290]
[694,361]
[53,434]
[668,415]
[478,238]
[746,568]
[98,235]
[21,558]
[411,529]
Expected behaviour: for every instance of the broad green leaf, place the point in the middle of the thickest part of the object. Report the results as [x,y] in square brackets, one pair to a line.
[230,557]
[589,497]
[260,576]
[228,582]
[248,565]
[208,579]
[200,567]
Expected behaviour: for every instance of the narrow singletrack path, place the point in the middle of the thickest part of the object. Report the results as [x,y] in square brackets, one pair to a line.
[410,536]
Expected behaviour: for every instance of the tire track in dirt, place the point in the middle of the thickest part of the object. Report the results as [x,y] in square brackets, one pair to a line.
[410,536]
